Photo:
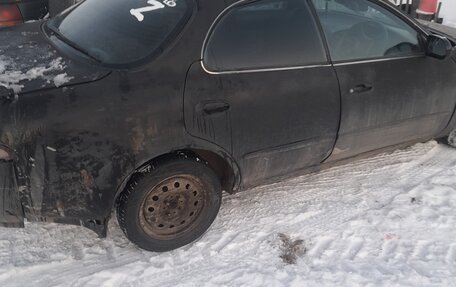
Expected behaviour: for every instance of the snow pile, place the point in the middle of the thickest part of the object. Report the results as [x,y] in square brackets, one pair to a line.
[12,78]
[384,221]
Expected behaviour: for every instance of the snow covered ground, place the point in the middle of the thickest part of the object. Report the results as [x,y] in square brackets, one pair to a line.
[385,221]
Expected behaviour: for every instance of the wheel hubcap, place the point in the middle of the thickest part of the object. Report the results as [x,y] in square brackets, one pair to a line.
[172,207]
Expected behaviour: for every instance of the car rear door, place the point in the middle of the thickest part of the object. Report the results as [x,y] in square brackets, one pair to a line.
[265,91]
[392,93]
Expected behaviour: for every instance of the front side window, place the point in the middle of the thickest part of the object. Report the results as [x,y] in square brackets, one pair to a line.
[262,35]
[119,32]
[360,29]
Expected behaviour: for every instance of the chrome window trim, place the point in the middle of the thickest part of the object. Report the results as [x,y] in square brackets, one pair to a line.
[263,70]
[354,62]
[206,39]
[211,28]
[385,5]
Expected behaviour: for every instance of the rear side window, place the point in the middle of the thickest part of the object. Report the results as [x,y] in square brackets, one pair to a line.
[262,35]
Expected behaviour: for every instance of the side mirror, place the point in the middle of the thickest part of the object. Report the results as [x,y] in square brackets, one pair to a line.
[438,47]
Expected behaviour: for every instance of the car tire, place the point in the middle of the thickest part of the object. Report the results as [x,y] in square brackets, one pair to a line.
[171,205]
[452,139]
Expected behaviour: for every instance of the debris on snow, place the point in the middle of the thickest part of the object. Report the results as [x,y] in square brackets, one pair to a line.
[291,249]
[389,236]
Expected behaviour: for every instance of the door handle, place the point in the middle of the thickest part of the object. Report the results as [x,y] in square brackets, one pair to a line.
[361,88]
[215,108]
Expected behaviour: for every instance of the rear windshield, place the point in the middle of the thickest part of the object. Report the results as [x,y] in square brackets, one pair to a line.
[119,32]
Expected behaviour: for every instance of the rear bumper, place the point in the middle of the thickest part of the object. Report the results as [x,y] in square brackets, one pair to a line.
[11,212]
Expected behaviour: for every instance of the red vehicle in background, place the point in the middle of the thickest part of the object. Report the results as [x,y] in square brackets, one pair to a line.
[13,12]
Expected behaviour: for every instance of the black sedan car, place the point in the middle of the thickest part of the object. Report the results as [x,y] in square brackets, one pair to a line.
[13,12]
[152,108]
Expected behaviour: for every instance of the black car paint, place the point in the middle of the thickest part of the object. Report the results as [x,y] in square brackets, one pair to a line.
[262,130]
[400,104]
[76,146]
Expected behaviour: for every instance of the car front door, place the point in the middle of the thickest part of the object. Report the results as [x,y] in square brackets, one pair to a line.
[391,92]
[265,91]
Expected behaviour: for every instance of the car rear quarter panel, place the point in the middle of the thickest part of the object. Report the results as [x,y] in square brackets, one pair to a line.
[76,145]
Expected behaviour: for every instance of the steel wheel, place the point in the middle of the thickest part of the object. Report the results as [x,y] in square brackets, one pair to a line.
[172,206]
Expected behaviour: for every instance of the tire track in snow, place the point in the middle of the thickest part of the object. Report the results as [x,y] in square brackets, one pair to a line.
[354,247]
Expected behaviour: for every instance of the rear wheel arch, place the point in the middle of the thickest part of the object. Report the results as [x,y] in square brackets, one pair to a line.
[221,163]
